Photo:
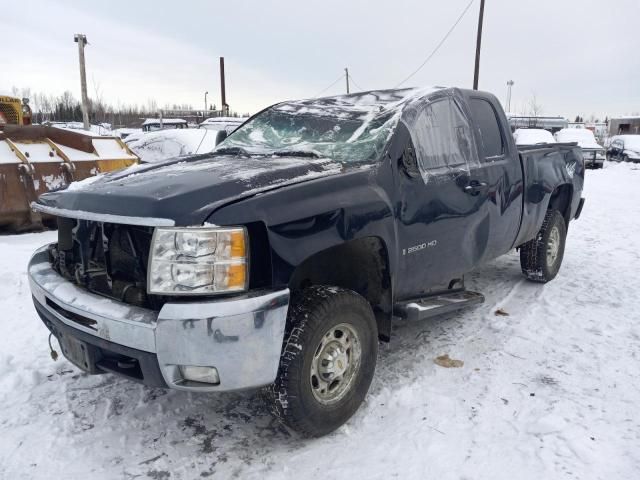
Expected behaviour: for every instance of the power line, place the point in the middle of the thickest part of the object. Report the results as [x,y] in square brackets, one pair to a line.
[355,83]
[439,44]
[322,91]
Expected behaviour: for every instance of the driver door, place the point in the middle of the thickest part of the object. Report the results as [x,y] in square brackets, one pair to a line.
[441,212]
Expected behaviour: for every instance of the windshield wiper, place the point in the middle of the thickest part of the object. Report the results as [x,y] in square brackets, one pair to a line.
[296,153]
[231,151]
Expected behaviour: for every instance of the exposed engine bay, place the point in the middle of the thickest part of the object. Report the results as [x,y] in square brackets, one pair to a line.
[105,258]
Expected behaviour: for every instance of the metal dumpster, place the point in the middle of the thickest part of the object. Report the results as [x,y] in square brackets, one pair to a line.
[38,159]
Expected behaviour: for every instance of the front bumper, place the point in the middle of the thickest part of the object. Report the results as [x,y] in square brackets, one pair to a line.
[240,336]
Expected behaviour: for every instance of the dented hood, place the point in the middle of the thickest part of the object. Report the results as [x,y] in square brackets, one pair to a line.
[184,191]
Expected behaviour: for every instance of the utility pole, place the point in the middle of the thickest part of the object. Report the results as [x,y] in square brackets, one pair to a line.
[509,85]
[346,72]
[224,106]
[205,105]
[478,42]
[81,40]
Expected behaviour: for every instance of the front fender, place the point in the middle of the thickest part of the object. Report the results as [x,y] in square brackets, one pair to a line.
[306,218]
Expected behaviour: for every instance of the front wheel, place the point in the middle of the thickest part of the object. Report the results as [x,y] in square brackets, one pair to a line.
[540,258]
[328,360]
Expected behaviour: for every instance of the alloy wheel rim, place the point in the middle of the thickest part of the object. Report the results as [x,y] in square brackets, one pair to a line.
[335,364]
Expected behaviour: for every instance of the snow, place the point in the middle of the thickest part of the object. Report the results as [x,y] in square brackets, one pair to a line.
[80,184]
[7,155]
[78,127]
[532,136]
[223,123]
[125,132]
[631,142]
[164,144]
[582,136]
[37,152]
[109,148]
[166,121]
[550,391]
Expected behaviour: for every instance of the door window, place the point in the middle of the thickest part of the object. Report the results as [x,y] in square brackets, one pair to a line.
[441,136]
[491,139]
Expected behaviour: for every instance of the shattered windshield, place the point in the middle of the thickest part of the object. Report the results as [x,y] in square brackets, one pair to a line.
[345,129]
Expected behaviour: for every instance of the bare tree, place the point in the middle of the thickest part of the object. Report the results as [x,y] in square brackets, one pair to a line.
[97,105]
[535,108]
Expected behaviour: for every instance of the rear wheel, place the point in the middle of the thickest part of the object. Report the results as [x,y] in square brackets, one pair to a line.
[540,258]
[328,360]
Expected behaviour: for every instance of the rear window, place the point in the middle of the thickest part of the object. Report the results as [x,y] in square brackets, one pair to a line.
[486,120]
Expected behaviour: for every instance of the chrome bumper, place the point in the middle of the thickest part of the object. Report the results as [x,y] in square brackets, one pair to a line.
[240,336]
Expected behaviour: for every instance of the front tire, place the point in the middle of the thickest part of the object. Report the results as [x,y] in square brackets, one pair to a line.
[540,258]
[327,362]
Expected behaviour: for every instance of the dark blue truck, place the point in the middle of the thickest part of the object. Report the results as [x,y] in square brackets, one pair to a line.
[281,259]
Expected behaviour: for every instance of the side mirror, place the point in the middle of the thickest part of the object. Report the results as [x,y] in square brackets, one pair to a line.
[220,136]
[409,161]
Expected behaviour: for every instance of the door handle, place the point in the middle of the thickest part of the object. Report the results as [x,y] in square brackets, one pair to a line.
[474,188]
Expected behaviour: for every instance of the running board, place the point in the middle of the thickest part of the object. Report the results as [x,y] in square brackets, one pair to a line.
[440,304]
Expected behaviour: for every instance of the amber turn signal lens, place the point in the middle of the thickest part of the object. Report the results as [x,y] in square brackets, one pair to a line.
[237,276]
[238,247]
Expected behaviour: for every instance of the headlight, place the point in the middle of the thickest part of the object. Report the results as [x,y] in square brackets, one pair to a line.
[198,261]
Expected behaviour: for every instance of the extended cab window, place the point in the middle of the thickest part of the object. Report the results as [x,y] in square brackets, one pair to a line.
[486,120]
[441,135]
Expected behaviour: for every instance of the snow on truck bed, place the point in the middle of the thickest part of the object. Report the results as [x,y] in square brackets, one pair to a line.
[550,391]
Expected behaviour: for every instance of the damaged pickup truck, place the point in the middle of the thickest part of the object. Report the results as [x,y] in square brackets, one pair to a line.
[280,259]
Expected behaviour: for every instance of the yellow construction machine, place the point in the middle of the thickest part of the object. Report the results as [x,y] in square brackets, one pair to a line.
[36,159]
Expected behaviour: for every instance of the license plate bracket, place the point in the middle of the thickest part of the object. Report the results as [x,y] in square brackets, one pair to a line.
[77,352]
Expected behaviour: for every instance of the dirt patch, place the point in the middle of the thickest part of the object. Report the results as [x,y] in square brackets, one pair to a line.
[446,362]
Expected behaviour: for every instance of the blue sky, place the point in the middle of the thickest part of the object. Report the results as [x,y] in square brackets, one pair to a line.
[577,56]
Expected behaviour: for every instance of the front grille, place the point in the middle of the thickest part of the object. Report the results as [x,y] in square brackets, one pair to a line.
[10,113]
[105,258]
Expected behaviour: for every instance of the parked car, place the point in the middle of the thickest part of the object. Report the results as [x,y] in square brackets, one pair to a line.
[592,151]
[164,144]
[624,148]
[532,136]
[280,259]
[125,133]
[155,124]
[228,124]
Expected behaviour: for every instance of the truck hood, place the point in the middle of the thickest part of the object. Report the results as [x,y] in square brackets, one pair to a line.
[182,191]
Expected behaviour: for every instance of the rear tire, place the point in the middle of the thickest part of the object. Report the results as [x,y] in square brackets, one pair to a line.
[540,258]
[327,362]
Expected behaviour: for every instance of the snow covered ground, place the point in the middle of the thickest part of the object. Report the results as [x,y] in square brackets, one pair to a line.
[549,391]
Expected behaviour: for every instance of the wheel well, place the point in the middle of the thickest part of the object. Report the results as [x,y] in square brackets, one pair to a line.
[361,265]
[561,201]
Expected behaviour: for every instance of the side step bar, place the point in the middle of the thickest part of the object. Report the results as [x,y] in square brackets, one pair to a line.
[438,304]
